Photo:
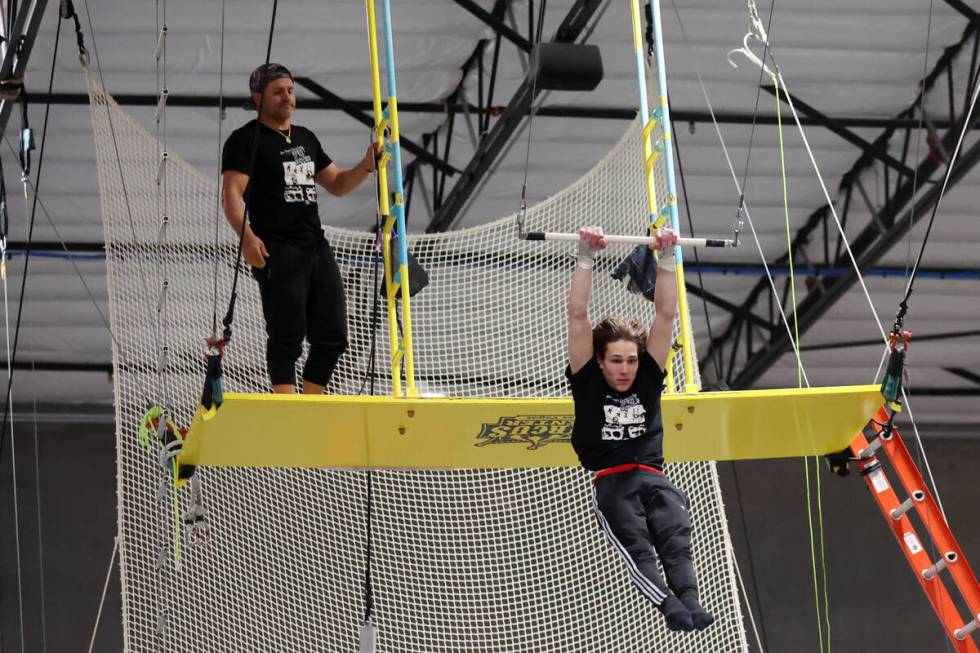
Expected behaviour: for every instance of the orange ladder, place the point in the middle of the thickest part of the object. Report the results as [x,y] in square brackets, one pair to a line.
[881,437]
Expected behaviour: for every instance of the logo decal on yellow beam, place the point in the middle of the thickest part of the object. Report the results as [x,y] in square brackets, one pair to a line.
[533,430]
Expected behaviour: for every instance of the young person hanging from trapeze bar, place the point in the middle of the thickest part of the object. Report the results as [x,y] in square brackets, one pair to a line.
[616,370]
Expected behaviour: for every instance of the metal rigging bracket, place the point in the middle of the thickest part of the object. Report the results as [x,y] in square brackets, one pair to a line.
[746,51]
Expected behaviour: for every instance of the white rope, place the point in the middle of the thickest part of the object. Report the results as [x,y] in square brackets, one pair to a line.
[745,596]
[29,185]
[738,187]
[105,590]
[40,521]
[217,196]
[830,204]
[13,465]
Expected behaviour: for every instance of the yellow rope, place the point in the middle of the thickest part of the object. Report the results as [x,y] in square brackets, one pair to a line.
[799,381]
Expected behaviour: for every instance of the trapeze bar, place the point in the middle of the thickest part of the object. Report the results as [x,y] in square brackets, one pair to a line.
[906,505]
[633,240]
[268,430]
[962,633]
[941,564]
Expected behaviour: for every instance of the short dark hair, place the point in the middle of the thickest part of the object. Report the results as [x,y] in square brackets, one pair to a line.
[262,76]
[266,73]
[612,329]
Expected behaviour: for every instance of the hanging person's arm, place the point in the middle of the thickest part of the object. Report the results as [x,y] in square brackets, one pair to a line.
[579,327]
[661,335]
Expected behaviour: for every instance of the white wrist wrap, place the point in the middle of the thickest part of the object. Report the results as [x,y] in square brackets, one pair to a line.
[586,255]
[666,262]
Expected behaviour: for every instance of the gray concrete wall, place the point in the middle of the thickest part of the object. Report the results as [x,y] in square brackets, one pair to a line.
[875,603]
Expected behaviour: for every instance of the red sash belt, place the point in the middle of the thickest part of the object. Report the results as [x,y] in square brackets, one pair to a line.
[628,467]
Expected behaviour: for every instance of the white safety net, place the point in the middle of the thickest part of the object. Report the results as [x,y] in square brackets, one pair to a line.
[463,560]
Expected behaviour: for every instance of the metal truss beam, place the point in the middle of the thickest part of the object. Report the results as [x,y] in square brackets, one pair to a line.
[57,246]
[20,43]
[552,111]
[871,342]
[362,117]
[969,375]
[868,148]
[498,25]
[736,268]
[903,196]
[60,366]
[870,245]
[496,139]
[711,298]
[964,9]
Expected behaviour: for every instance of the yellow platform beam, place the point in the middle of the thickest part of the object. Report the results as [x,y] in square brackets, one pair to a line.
[252,430]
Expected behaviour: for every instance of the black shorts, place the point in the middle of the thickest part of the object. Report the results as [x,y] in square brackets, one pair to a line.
[302,297]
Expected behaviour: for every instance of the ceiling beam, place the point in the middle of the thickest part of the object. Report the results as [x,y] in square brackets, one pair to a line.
[553,111]
[964,9]
[20,43]
[868,247]
[365,119]
[498,25]
[496,139]
[59,366]
[969,375]
[56,246]
[916,338]
[871,149]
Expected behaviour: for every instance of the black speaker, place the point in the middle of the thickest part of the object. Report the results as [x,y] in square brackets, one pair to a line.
[566,66]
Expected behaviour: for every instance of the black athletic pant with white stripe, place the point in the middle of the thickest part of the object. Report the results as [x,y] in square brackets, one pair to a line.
[644,515]
[302,296]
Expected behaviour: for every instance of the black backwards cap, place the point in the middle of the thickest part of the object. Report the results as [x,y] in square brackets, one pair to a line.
[261,77]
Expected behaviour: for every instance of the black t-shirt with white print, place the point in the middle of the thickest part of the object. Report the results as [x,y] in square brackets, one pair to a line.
[283,193]
[614,428]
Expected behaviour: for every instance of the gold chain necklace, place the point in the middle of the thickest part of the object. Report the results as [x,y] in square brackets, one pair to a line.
[288,135]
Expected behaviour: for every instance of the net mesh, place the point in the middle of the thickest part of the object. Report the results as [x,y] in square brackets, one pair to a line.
[462,560]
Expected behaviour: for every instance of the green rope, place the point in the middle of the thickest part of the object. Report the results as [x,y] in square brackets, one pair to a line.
[823,554]
[813,552]
[799,381]
[789,240]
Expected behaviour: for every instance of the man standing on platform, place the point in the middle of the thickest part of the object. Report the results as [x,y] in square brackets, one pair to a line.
[273,166]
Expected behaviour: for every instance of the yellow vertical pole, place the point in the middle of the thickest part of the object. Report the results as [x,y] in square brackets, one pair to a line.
[683,310]
[405,351]
[380,127]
